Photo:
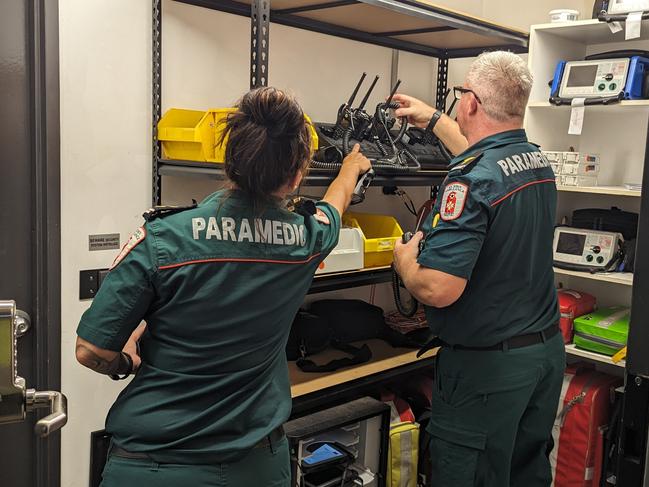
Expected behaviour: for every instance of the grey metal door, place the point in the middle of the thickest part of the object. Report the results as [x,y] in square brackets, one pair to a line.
[29,240]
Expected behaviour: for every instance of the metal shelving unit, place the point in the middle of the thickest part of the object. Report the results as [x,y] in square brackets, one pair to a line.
[416,26]
[344,280]
[314,178]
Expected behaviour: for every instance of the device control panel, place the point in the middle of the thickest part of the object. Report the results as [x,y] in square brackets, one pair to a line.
[587,248]
[594,78]
[627,6]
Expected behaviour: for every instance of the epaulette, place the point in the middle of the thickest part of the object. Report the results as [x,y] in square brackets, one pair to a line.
[162,211]
[468,163]
[302,206]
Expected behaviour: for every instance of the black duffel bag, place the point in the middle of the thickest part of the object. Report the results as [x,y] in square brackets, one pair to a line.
[353,320]
[311,334]
[607,220]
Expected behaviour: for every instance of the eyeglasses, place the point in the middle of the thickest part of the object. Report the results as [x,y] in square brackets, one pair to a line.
[458,91]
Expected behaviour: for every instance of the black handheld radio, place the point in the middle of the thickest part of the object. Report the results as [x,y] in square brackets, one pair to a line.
[358,196]
[344,119]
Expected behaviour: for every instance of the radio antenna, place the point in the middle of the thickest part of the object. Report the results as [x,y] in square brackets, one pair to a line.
[367,95]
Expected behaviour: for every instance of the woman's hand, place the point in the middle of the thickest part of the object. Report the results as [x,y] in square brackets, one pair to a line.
[356,159]
[132,346]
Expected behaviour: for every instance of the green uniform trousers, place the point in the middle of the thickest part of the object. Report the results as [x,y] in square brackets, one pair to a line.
[492,415]
[263,466]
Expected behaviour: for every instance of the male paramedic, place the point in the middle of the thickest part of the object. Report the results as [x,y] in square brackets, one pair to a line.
[485,277]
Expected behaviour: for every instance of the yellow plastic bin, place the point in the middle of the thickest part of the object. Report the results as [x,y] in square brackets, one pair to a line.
[187,135]
[192,135]
[380,232]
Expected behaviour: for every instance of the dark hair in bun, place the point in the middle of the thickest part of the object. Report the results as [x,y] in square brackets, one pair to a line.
[268,142]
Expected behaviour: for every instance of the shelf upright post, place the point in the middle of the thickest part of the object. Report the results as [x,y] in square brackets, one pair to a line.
[634,454]
[156,97]
[442,81]
[259,34]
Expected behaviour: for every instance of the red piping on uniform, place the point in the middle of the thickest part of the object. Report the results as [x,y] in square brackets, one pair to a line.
[265,261]
[521,187]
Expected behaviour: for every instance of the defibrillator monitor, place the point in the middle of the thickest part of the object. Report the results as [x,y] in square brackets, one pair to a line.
[580,249]
[600,80]
[583,79]
[619,7]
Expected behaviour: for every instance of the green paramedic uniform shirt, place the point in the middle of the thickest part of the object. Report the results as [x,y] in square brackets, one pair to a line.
[493,225]
[219,286]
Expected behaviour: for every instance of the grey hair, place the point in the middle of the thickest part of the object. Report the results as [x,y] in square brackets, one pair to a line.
[503,83]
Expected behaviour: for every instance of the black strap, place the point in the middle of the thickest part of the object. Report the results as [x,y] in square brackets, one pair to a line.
[162,211]
[518,341]
[272,438]
[433,121]
[434,343]
[126,359]
[120,452]
[358,356]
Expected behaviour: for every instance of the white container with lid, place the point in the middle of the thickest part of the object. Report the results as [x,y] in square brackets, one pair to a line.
[564,15]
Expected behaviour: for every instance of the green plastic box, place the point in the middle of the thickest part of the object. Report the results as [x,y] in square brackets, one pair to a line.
[603,331]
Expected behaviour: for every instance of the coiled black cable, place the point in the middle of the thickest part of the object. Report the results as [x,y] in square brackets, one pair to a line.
[379,145]
[378,164]
[406,311]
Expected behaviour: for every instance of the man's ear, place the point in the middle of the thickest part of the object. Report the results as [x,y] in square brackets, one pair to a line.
[473,106]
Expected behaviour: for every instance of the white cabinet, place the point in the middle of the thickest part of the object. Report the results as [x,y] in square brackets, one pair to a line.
[618,133]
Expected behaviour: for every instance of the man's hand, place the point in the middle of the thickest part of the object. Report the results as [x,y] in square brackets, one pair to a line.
[406,254]
[429,286]
[418,112]
[356,159]
[132,348]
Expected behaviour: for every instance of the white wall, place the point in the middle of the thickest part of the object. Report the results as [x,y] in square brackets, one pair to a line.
[105,178]
[106,131]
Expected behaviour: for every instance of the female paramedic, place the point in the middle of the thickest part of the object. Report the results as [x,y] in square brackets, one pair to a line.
[218,285]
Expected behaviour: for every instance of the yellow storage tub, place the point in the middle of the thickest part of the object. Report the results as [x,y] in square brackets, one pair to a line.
[187,135]
[192,135]
[380,232]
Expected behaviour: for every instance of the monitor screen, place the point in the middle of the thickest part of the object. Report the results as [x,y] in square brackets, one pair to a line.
[571,243]
[582,75]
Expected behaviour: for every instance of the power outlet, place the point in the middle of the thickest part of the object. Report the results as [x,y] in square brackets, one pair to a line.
[90,281]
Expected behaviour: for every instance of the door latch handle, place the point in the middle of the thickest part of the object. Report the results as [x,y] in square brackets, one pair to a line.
[58,405]
[15,399]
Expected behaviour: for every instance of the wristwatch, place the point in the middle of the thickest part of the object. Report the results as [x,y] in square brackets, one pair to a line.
[433,121]
[124,357]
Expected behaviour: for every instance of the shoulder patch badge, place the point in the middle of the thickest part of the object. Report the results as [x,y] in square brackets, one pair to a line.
[453,201]
[132,242]
[322,217]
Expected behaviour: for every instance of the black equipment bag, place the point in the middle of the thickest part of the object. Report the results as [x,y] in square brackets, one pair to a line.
[613,220]
[337,323]
[351,320]
[311,334]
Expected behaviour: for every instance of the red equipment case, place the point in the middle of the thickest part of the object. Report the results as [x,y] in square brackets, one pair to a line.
[573,304]
[584,410]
